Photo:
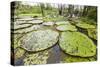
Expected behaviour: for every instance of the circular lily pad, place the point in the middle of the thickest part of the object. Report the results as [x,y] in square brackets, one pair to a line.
[39,40]
[25,19]
[77,44]
[66,27]
[48,23]
[92,33]
[36,58]
[62,23]
[29,29]
[22,26]
[36,21]
[85,25]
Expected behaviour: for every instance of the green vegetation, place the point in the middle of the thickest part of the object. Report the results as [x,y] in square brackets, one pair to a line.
[77,44]
[68,31]
[71,59]
[39,40]
[66,27]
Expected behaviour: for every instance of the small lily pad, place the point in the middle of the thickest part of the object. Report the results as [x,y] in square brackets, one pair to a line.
[85,25]
[77,44]
[39,40]
[66,27]
[36,58]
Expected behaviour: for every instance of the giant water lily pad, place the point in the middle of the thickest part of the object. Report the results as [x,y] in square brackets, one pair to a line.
[92,33]
[62,23]
[39,40]
[18,22]
[22,26]
[77,44]
[48,23]
[28,29]
[25,19]
[71,59]
[36,58]
[36,21]
[85,25]
[66,27]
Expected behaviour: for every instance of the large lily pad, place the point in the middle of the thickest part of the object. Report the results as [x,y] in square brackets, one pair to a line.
[92,33]
[66,28]
[39,40]
[22,26]
[36,58]
[29,29]
[71,59]
[77,44]
[85,25]
[25,19]
[36,21]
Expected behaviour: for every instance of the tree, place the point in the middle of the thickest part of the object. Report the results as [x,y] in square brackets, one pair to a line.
[71,10]
[42,7]
[60,8]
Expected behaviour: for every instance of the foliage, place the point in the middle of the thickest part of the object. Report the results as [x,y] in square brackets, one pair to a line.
[39,40]
[92,33]
[71,59]
[66,27]
[36,58]
[77,44]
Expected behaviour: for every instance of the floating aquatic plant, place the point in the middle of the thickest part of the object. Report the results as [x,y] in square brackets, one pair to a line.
[92,33]
[66,27]
[85,25]
[62,23]
[29,29]
[19,52]
[36,58]
[71,59]
[39,40]
[77,44]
